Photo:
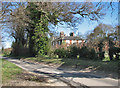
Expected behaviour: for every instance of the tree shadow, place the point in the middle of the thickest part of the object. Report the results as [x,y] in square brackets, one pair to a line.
[92,72]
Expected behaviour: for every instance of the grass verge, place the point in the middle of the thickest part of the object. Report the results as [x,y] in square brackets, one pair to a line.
[13,75]
[110,66]
[9,70]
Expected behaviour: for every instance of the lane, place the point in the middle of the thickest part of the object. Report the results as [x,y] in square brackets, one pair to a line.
[75,78]
[32,68]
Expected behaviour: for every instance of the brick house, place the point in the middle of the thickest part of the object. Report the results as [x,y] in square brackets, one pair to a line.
[65,41]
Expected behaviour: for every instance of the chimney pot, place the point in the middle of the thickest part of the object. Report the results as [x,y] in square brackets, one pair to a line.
[62,34]
[72,34]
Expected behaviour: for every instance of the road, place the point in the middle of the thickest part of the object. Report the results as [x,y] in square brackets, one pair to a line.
[72,78]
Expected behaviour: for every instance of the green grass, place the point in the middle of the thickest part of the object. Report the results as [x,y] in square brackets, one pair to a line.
[46,60]
[110,66]
[9,70]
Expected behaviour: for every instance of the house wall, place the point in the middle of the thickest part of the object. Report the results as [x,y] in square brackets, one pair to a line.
[71,41]
[67,43]
[74,41]
[79,41]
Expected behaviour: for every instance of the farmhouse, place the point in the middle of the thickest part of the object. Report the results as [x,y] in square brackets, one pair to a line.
[67,40]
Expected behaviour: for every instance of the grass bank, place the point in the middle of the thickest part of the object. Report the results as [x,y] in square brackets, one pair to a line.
[107,66]
[9,70]
[12,75]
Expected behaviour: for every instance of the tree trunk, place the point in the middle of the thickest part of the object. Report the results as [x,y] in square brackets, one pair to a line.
[31,43]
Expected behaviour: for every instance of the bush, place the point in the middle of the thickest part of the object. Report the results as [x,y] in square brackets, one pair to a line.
[51,54]
[74,51]
[101,55]
[2,49]
[114,51]
[6,52]
[19,50]
[87,53]
[62,53]
[84,52]
[93,54]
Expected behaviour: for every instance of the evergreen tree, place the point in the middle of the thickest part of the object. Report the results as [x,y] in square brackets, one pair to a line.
[2,49]
[38,39]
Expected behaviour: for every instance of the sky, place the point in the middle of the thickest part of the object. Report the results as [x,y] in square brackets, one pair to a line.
[83,28]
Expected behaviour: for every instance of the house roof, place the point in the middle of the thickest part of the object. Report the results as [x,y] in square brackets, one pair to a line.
[68,38]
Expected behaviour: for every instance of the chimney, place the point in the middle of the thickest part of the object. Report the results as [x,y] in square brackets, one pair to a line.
[62,34]
[72,34]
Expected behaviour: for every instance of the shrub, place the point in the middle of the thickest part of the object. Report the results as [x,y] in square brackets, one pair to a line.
[58,52]
[114,51]
[84,52]
[7,52]
[74,51]
[93,54]
[19,50]
[101,55]
[62,53]
[51,54]
[2,49]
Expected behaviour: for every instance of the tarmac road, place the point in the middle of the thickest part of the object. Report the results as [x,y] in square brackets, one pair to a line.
[72,78]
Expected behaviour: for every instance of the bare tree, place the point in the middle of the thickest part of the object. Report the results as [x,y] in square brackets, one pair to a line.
[16,19]
[63,11]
